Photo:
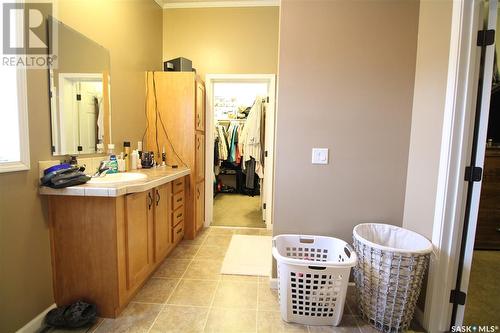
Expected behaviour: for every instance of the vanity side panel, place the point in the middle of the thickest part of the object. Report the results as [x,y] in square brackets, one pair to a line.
[84,263]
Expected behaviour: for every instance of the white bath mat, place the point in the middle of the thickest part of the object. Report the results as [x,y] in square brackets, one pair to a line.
[248,255]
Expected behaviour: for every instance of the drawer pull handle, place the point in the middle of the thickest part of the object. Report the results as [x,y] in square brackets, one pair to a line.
[150,200]
[179,184]
[179,215]
[179,200]
[179,231]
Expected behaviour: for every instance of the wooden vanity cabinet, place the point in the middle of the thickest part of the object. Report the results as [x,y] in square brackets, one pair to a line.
[139,214]
[163,240]
[105,248]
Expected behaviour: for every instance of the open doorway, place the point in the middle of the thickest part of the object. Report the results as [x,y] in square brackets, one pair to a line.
[476,293]
[481,307]
[240,150]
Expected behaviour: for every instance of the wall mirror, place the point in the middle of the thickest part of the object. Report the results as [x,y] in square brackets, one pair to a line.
[79,87]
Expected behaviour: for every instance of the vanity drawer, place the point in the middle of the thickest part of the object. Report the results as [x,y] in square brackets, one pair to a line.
[177,216]
[178,185]
[178,231]
[178,200]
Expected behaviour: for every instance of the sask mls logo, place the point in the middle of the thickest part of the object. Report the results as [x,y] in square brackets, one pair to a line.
[26,35]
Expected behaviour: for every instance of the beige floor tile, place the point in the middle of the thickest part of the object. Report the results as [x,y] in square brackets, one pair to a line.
[270,322]
[180,319]
[172,268]
[136,318]
[205,269]
[241,278]
[184,252]
[248,231]
[221,231]
[231,321]
[211,252]
[348,324]
[80,330]
[268,298]
[194,292]
[218,240]
[236,295]
[156,290]
[200,238]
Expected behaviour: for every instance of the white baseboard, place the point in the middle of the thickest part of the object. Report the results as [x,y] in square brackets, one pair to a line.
[35,324]
[273,283]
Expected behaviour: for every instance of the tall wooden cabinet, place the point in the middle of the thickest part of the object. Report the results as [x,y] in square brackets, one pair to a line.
[176,121]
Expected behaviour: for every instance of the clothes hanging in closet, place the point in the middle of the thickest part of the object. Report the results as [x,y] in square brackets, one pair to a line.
[250,141]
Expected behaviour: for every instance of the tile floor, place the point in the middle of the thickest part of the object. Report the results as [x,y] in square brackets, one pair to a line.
[187,294]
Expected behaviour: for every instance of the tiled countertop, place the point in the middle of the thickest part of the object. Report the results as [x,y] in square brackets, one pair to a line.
[155,177]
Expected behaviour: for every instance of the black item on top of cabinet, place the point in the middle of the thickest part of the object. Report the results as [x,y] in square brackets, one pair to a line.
[178,65]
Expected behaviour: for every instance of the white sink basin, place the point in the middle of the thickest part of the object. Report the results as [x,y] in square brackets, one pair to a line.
[118,178]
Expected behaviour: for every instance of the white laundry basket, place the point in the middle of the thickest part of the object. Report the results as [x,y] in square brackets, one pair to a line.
[313,273]
[391,264]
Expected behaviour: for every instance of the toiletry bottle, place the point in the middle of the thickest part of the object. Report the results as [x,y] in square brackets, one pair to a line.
[139,149]
[113,164]
[111,149]
[126,157]
[163,157]
[133,160]
[100,148]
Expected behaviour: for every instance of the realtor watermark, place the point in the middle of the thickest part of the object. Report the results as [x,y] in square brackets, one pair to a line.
[475,328]
[29,34]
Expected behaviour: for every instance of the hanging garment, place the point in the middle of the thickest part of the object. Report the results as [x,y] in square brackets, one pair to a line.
[100,118]
[223,146]
[250,173]
[250,137]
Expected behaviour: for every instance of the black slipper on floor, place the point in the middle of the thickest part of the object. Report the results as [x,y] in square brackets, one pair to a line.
[79,314]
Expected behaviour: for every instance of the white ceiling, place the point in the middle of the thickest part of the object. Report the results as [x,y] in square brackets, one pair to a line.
[217,3]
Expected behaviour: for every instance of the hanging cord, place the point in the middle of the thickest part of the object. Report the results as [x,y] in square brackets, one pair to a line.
[146,109]
[158,115]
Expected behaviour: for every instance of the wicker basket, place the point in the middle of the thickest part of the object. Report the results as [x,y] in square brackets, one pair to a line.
[391,264]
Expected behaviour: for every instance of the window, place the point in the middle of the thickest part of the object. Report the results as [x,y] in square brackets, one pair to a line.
[14,143]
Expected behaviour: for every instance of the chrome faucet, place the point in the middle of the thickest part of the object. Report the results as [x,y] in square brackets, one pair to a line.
[103,169]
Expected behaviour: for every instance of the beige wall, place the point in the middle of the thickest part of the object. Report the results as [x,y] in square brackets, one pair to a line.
[346,73]
[223,40]
[428,112]
[132,31]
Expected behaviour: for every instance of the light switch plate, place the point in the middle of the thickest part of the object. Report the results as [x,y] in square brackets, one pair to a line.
[320,156]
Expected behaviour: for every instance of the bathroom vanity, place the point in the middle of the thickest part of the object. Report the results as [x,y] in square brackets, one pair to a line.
[108,238]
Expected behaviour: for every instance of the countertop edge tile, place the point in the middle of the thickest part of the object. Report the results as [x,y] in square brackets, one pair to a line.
[156,177]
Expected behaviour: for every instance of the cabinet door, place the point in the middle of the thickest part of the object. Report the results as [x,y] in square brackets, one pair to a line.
[138,240]
[200,107]
[200,205]
[199,163]
[162,216]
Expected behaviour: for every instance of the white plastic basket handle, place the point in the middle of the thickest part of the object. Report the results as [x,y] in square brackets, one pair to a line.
[317,268]
[349,250]
[305,240]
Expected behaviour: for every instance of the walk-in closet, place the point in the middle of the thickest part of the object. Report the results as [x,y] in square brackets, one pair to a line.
[239,111]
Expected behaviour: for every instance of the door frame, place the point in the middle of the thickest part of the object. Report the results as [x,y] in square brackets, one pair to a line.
[270,136]
[455,155]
